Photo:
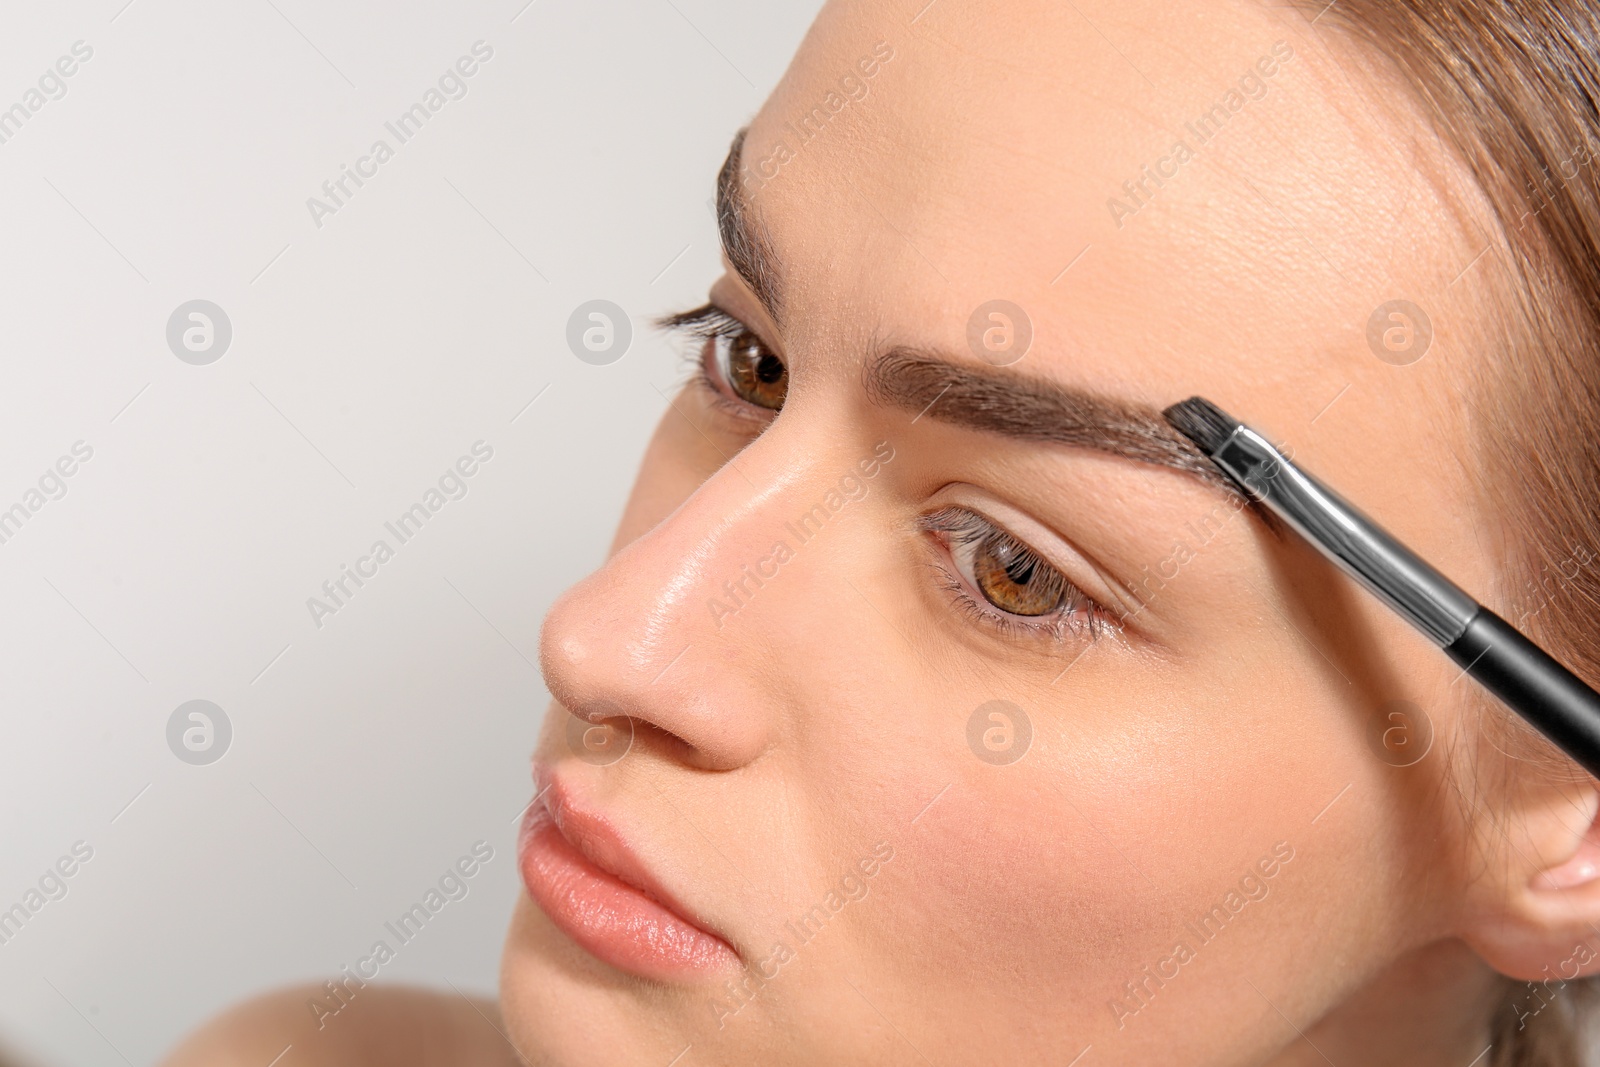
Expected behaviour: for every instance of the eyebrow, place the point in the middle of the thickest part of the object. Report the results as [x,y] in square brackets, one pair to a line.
[950,391]
[744,240]
[1026,408]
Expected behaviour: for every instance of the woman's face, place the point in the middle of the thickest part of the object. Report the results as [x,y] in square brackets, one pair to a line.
[958,733]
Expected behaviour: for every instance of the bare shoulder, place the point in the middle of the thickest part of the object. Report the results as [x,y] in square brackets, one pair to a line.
[395,1026]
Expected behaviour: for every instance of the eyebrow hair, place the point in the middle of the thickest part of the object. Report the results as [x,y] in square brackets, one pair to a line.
[1027,408]
[744,239]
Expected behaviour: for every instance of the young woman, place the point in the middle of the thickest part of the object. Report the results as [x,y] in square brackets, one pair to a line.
[937,704]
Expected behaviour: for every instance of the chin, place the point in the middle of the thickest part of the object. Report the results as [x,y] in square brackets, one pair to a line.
[564,1008]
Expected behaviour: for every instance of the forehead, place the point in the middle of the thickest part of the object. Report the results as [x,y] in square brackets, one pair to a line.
[1182,198]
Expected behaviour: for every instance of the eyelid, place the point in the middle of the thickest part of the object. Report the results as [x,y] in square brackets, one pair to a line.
[712,319]
[734,298]
[710,322]
[1077,567]
[960,532]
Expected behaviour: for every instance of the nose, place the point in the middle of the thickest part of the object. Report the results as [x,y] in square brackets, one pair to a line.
[682,627]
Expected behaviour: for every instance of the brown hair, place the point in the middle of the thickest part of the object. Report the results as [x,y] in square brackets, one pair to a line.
[1512,87]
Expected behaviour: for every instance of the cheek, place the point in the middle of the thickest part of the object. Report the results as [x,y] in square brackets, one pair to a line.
[1030,873]
[1130,815]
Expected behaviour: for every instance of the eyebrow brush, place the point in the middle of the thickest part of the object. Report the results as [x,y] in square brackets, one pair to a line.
[1526,678]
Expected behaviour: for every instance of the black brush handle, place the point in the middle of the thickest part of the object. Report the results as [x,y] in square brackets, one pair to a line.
[1532,684]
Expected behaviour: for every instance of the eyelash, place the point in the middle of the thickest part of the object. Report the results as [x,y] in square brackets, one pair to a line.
[1079,616]
[708,323]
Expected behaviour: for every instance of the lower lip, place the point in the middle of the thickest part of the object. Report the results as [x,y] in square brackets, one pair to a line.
[608,918]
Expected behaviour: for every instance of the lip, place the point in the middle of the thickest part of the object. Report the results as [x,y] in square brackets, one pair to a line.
[581,872]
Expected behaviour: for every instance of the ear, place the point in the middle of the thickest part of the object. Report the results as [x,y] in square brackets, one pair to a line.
[1534,908]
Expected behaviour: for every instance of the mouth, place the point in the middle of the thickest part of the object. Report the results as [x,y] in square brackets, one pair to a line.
[581,872]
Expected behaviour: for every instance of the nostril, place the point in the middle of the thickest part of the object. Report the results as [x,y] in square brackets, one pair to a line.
[603,734]
[599,741]
[599,711]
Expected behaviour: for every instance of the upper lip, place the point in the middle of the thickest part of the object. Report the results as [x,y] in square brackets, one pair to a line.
[603,844]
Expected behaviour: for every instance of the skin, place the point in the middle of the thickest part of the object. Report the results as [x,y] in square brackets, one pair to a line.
[1230,717]
[831,710]
[379,1027]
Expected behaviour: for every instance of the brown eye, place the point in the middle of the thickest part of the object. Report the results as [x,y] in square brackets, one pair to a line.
[755,375]
[1013,578]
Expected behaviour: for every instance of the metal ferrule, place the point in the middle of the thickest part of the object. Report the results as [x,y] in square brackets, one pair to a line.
[1424,597]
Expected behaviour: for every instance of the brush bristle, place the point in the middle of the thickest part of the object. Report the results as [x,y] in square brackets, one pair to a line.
[1202,422]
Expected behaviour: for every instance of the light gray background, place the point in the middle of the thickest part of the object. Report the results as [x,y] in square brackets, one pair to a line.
[367,355]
